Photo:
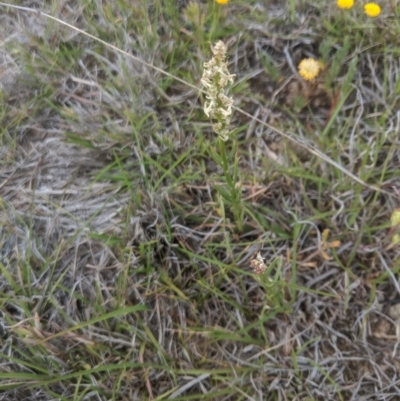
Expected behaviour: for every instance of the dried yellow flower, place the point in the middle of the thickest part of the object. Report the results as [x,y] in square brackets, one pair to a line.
[345,3]
[372,9]
[325,245]
[309,68]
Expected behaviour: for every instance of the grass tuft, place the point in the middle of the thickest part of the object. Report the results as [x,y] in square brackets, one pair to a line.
[128,234]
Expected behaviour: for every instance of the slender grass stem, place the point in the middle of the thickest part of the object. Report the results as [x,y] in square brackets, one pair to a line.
[234,190]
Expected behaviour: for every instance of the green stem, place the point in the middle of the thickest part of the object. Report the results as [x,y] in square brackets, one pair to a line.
[236,193]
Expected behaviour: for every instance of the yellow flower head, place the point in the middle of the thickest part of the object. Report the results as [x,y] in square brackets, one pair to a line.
[309,68]
[372,9]
[345,3]
[222,1]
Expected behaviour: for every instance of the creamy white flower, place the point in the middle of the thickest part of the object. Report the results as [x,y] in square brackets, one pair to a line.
[215,78]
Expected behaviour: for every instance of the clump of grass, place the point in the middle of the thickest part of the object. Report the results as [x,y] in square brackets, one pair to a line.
[118,278]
